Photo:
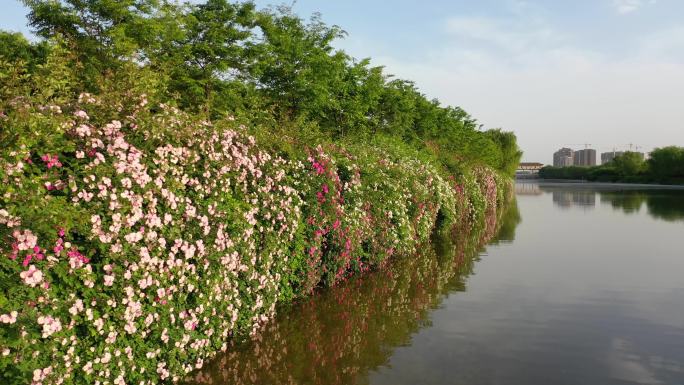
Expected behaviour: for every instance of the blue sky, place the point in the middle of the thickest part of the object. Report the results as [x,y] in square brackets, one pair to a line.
[558,73]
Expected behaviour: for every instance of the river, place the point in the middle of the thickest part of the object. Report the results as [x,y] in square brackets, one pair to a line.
[575,284]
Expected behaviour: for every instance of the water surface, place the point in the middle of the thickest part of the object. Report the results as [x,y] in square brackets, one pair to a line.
[578,285]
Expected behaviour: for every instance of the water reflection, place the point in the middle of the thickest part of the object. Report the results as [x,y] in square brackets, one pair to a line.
[508,222]
[581,297]
[527,188]
[588,342]
[628,202]
[666,205]
[339,336]
[562,196]
[585,199]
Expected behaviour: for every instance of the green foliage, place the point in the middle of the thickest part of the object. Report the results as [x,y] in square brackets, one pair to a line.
[629,164]
[205,63]
[14,47]
[296,66]
[311,335]
[106,33]
[667,162]
[269,66]
[510,152]
[572,172]
[169,173]
[131,226]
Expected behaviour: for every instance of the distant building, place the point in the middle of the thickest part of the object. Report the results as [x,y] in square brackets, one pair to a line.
[528,170]
[608,157]
[563,158]
[585,158]
[530,166]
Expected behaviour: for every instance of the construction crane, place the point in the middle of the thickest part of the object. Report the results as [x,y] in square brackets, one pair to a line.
[586,145]
[632,145]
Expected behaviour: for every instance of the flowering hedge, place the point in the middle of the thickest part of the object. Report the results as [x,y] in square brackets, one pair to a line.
[136,241]
[340,336]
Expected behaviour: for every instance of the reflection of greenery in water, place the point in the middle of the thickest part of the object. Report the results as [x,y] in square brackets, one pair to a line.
[661,204]
[339,335]
[665,205]
[669,207]
[627,201]
[509,222]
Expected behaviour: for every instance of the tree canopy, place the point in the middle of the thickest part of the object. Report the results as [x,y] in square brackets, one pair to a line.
[231,58]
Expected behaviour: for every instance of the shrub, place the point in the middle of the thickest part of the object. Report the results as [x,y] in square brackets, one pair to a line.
[137,239]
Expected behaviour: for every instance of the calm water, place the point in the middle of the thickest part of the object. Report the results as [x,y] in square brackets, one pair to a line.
[577,286]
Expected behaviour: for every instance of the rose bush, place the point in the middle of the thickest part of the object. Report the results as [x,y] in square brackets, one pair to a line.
[137,240]
[341,335]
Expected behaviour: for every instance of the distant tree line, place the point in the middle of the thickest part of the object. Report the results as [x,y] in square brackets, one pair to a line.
[665,165]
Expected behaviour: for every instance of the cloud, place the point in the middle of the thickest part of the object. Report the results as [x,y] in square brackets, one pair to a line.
[666,44]
[526,76]
[628,6]
[504,34]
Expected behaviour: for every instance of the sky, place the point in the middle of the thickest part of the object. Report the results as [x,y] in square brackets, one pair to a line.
[608,73]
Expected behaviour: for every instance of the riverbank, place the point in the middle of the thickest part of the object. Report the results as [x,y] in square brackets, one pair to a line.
[154,210]
[339,336]
[533,306]
[146,241]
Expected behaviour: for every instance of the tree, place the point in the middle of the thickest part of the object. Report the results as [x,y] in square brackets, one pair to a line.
[510,152]
[629,164]
[667,162]
[207,62]
[221,57]
[106,32]
[295,66]
[14,47]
